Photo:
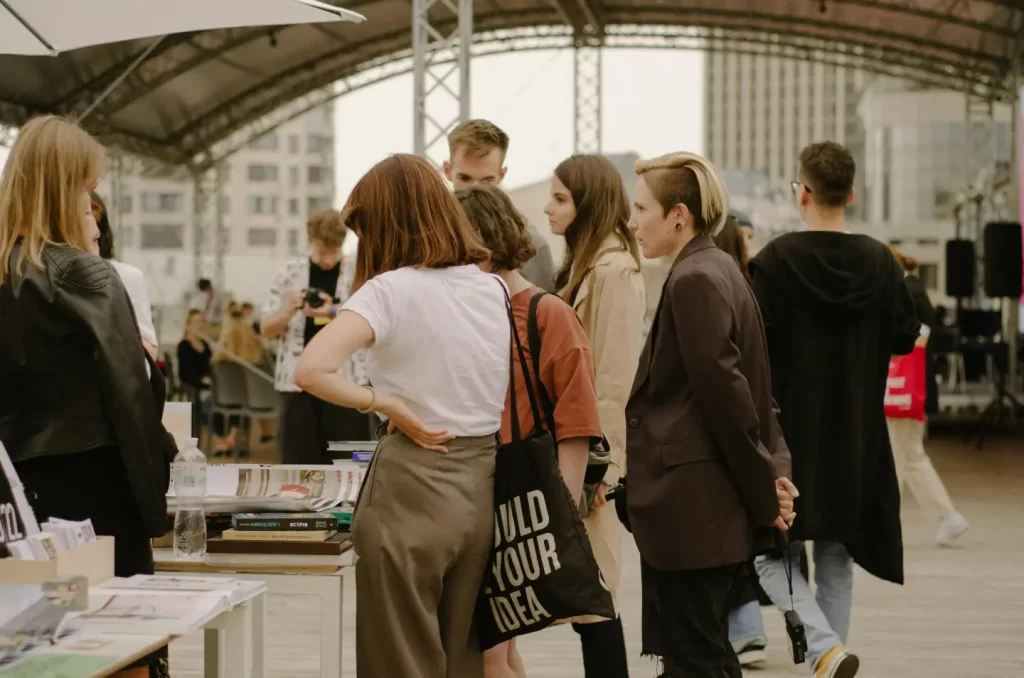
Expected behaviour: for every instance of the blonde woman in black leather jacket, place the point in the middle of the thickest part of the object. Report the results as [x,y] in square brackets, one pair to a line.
[79,415]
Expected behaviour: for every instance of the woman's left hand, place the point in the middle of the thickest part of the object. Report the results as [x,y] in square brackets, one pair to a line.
[401,418]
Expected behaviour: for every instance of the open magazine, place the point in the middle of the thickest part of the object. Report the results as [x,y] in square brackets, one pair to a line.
[34,615]
[162,605]
[239,488]
[237,591]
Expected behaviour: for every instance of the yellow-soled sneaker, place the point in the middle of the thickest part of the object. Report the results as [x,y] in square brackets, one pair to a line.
[838,662]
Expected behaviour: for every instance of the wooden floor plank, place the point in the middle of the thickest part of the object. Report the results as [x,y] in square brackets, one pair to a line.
[960,615]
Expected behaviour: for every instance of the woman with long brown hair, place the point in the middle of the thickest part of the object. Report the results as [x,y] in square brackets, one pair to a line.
[437,333]
[601,279]
[79,415]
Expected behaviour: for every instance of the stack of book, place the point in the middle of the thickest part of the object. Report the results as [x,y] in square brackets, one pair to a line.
[312,534]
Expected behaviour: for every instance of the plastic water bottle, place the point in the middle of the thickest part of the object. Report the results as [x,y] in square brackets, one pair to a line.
[189,472]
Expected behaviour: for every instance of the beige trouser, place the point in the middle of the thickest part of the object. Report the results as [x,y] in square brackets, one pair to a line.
[914,468]
[423,530]
[605,532]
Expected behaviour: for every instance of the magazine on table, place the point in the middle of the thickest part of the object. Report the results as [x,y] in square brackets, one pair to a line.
[150,612]
[80,653]
[34,615]
[237,591]
[239,488]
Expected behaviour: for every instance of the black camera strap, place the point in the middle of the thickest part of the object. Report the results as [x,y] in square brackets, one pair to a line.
[787,565]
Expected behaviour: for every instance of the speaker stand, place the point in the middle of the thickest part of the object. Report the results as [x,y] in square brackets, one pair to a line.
[994,413]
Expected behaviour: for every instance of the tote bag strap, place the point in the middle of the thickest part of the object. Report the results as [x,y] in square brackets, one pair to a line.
[515,344]
[533,339]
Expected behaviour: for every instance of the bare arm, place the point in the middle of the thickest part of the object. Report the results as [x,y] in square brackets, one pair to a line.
[318,370]
[281,305]
[273,325]
[573,454]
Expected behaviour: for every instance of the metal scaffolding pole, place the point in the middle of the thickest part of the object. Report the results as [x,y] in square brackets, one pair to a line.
[220,233]
[1011,307]
[981,158]
[441,96]
[116,207]
[197,225]
[206,208]
[587,57]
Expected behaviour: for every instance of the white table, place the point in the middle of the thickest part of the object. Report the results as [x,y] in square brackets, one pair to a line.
[227,636]
[284,575]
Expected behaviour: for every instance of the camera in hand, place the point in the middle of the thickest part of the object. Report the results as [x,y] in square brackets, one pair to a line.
[313,298]
[797,636]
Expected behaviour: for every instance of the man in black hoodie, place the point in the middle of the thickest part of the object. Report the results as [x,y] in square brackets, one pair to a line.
[835,309]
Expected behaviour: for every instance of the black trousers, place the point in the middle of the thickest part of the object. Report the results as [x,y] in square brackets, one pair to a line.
[689,613]
[308,424]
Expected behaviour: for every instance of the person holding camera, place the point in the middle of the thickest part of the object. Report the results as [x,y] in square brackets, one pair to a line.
[305,296]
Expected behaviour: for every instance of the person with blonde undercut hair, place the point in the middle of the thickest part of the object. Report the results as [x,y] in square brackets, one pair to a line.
[708,467]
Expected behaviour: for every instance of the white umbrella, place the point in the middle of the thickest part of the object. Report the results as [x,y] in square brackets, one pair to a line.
[48,27]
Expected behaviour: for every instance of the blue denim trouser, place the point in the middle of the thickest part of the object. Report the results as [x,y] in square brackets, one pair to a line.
[746,625]
[825,613]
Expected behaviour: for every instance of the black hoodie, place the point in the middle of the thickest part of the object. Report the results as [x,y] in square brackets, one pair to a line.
[836,307]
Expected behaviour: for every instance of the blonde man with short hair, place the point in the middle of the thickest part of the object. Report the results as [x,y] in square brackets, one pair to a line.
[305,296]
[477,150]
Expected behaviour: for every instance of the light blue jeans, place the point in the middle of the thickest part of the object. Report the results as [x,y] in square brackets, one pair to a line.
[746,626]
[826,613]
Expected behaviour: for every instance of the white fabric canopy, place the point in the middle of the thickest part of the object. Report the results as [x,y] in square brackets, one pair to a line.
[48,27]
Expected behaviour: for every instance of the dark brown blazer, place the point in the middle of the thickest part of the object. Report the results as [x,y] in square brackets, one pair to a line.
[704,446]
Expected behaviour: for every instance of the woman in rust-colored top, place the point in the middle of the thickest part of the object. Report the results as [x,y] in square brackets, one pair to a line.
[565,366]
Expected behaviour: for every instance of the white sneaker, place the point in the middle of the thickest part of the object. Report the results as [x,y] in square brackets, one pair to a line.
[752,657]
[951,528]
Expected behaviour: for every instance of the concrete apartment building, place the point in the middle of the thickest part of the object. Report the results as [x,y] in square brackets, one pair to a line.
[760,111]
[268,190]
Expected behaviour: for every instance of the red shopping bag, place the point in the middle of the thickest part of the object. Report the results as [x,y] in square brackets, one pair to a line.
[905,390]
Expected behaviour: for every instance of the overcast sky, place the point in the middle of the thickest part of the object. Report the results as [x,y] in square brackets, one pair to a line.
[653,104]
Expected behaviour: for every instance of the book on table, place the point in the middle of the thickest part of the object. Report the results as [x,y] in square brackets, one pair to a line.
[284,522]
[283,535]
[335,545]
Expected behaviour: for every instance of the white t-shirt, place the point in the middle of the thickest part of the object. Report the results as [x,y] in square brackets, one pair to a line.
[442,344]
[135,284]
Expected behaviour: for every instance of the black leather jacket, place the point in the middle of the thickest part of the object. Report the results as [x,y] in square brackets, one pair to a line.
[73,373]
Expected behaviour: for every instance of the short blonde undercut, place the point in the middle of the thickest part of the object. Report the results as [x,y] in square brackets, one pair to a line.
[688,179]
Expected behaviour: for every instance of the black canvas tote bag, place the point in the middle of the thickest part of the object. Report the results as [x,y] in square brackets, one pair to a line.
[542,567]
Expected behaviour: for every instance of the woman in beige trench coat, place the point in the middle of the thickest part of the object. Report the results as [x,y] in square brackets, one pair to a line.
[601,279]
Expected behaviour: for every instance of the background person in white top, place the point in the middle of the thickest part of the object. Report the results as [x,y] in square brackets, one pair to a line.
[437,333]
[133,279]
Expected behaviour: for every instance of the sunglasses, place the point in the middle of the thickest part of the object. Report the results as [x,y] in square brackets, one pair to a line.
[795,186]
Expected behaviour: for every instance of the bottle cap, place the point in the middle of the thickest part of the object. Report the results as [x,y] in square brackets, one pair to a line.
[193,442]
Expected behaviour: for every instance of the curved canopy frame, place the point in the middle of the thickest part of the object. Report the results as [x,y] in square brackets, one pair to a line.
[192,92]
